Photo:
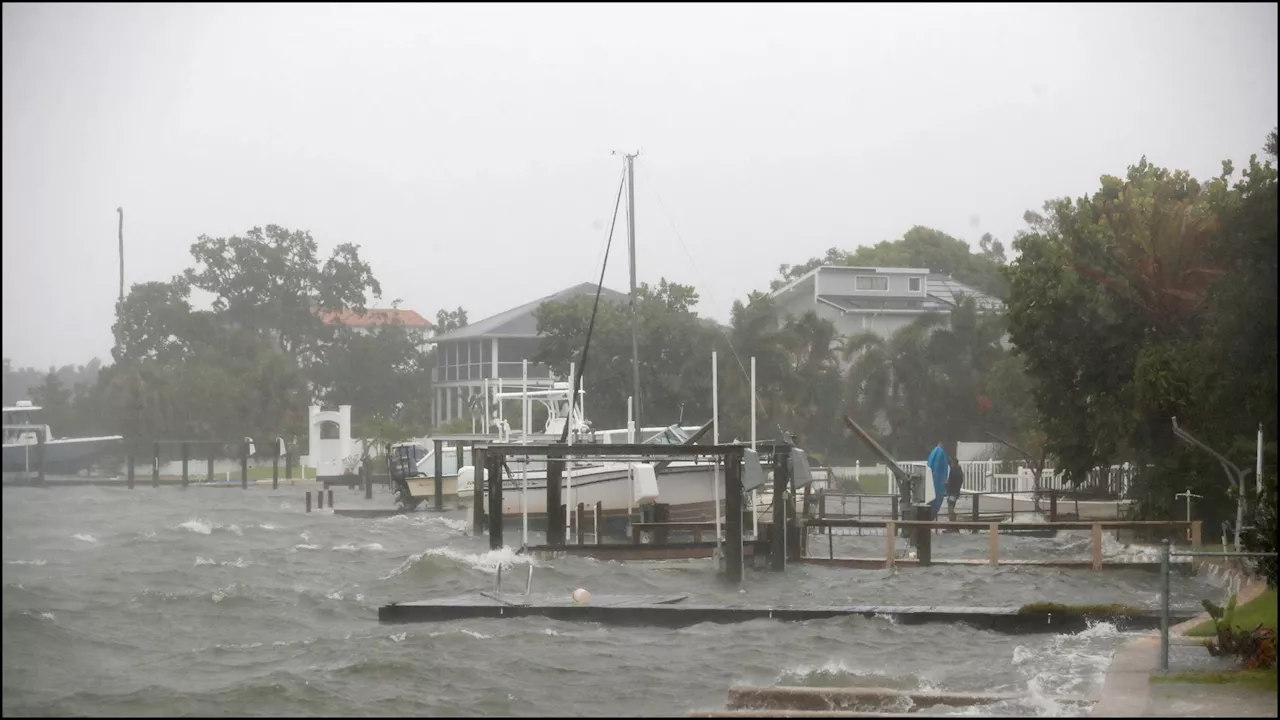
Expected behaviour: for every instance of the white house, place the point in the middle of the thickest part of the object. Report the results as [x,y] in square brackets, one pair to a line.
[879,299]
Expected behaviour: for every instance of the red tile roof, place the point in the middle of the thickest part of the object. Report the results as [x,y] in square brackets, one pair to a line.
[374,316]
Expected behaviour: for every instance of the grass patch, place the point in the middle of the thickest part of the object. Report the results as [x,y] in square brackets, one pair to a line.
[1112,609]
[1255,679]
[1261,609]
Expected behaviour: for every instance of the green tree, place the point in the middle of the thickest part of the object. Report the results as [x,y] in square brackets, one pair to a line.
[450,320]
[271,280]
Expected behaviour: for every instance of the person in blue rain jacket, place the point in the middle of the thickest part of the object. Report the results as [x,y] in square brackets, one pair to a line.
[940,466]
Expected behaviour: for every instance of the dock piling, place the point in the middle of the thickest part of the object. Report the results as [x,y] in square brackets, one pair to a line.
[890,533]
[924,536]
[477,491]
[494,480]
[244,466]
[438,447]
[308,494]
[288,464]
[155,465]
[582,511]
[275,467]
[1097,546]
[555,520]
[993,543]
[366,469]
[599,515]
[733,524]
[129,470]
[331,499]
[781,481]
[208,475]
[186,452]
[320,499]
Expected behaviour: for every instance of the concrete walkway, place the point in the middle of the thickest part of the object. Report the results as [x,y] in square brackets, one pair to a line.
[1129,692]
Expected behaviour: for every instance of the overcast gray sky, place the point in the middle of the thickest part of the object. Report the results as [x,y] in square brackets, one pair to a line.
[466,148]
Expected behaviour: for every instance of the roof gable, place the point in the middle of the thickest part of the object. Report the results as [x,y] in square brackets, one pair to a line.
[520,321]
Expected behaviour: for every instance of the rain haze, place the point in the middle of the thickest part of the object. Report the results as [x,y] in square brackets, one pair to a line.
[466,149]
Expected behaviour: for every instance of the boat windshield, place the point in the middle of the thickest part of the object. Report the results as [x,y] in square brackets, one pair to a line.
[673,435]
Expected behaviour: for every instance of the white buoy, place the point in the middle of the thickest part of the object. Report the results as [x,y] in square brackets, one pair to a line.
[581,597]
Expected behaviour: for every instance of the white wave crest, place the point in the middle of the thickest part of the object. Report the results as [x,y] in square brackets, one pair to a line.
[24,562]
[85,538]
[196,525]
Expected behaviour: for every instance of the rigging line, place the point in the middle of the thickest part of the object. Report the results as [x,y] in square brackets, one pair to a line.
[586,343]
[698,271]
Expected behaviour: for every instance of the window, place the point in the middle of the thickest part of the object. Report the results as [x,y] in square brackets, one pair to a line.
[871,282]
[913,284]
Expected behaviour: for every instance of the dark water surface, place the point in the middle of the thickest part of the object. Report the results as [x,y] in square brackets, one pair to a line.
[229,602]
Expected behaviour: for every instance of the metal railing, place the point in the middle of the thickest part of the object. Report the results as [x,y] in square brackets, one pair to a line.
[1165,555]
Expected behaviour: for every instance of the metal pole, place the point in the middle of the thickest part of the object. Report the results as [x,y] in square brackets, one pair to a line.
[1258,477]
[755,503]
[631,249]
[715,440]
[1164,605]
[525,420]
[568,464]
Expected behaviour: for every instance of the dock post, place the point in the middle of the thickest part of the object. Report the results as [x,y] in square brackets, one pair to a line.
[1053,506]
[976,498]
[208,475]
[662,514]
[457,494]
[275,467]
[308,501]
[439,454]
[1097,546]
[320,499]
[40,440]
[993,543]
[155,465]
[890,533]
[477,490]
[599,513]
[494,480]
[366,469]
[582,512]
[288,463]
[555,521]
[331,499]
[185,453]
[924,536]
[733,516]
[244,467]
[781,481]
[129,466]
[1196,529]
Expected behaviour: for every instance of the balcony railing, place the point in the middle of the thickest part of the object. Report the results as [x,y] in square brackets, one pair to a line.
[480,371]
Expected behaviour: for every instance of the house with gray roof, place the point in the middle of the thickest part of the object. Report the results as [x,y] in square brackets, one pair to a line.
[878,299]
[491,351]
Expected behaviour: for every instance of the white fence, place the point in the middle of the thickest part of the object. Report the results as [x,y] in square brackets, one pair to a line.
[992,477]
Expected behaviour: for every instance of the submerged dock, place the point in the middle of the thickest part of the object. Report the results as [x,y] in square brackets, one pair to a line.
[671,611]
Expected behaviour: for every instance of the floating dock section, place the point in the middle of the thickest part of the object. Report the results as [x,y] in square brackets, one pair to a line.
[672,611]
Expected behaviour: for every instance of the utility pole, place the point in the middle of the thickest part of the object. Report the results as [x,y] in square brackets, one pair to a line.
[631,246]
[120,233]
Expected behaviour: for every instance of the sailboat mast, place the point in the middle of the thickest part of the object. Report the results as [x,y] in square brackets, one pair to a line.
[631,246]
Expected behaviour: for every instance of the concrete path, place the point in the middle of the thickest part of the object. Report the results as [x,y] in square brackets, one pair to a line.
[1129,692]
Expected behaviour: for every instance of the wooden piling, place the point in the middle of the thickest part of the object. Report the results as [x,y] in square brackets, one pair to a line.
[40,454]
[288,463]
[457,494]
[275,468]
[308,501]
[185,459]
[320,499]
[555,520]
[129,470]
[438,448]
[582,511]
[890,533]
[1097,546]
[1053,506]
[155,465]
[494,482]
[1197,526]
[599,513]
[208,475]
[477,491]
[822,515]
[924,537]
[976,498]
[993,543]
[366,469]
[781,482]
[330,499]
[244,467]
[733,524]
[661,514]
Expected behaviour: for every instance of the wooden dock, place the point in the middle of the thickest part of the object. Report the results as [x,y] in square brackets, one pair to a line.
[672,611]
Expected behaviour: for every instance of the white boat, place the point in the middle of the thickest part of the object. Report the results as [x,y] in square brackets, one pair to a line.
[62,456]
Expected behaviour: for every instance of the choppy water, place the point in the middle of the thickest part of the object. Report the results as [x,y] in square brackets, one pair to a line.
[230,602]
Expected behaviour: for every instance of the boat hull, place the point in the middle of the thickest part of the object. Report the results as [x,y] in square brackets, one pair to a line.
[61,457]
